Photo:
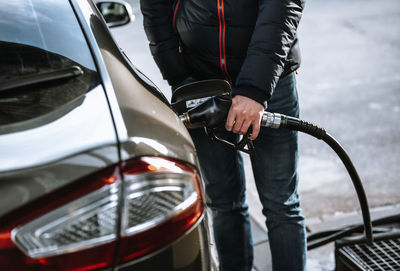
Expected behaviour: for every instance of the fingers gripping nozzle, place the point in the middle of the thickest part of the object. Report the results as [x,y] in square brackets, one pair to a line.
[212,113]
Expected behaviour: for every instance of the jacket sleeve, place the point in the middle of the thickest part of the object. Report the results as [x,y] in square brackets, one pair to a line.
[271,41]
[163,42]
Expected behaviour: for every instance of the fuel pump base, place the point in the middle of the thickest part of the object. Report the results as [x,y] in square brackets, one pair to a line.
[354,254]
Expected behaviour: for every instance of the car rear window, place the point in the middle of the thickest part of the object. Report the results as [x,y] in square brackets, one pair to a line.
[45,64]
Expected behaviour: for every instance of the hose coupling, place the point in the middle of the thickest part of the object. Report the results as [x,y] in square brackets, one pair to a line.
[185,118]
[271,120]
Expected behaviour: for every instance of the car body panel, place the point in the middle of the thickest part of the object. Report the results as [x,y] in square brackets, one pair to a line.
[123,118]
[152,128]
[41,145]
[186,254]
[39,150]
[141,114]
[19,188]
[146,126]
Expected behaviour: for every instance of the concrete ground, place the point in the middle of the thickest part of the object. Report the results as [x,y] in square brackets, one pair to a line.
[349,83]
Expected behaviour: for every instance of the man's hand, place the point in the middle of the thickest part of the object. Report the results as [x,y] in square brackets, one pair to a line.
[244,112]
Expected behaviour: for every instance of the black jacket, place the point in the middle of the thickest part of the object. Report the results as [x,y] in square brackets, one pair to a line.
[250,43]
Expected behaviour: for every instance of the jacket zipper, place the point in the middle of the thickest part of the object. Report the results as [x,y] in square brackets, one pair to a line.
[174,18]
[221,40]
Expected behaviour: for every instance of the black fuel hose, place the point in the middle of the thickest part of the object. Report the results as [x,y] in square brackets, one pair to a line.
[214,111]
[275,120]
[321,238]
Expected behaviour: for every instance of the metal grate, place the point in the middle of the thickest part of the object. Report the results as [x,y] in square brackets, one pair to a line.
[380,255]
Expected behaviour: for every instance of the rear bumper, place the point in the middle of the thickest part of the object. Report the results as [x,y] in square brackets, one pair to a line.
[190,252]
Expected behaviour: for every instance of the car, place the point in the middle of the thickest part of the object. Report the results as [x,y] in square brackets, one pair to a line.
[97,172]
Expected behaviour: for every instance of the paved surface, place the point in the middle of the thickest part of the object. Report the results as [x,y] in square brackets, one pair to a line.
[349,83]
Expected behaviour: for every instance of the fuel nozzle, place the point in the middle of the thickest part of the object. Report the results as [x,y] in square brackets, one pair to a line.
[210,113]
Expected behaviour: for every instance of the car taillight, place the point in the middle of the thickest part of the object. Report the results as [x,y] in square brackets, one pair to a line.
[155,202]
[163,199]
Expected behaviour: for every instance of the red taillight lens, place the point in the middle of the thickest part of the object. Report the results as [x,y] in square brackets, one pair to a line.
[78,228]
[71,229]
[163,199]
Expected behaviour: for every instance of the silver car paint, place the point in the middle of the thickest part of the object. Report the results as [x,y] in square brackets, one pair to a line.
[30,159]
[144,116]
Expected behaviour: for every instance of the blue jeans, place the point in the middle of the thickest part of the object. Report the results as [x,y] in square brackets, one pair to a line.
[275,173]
